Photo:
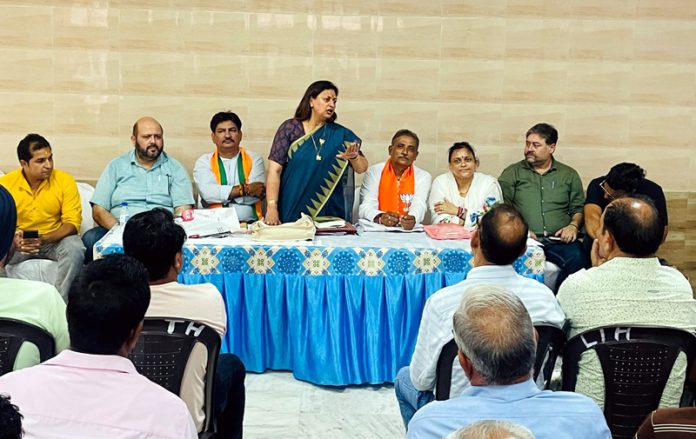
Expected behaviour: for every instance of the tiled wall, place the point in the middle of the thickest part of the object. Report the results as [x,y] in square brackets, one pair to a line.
[617,78]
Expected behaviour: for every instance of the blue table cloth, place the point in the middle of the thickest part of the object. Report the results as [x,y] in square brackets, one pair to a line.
[333,314]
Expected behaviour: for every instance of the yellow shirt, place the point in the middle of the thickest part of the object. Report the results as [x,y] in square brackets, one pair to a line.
[55,202]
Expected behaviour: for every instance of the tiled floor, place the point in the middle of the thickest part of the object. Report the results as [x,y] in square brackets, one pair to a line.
[279,406]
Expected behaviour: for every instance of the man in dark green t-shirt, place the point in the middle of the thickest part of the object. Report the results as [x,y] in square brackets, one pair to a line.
[550,197]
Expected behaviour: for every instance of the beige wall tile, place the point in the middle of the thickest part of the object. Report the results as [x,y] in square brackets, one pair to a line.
[592,81]
[518,118]
[537,39]
[661,126]
[473,37]
[216,75]
[535,81]
[676,9]
[601,8]
[153,73]
[602,39]
[415,38]
[22,112]
[407,79]
[26,26]
[471,80]
[473,8]
[88,71]
[601,125]
[665,41]
[224,33]
[345,36]
[24,70]
[267,29]
[354,77]
[152,29]
[89,115]
[86,27]
[662,83]
[275,77]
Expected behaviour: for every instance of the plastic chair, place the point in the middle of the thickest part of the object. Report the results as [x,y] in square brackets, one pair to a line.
[550,342]
[163,351]
[13,333]
[636,362]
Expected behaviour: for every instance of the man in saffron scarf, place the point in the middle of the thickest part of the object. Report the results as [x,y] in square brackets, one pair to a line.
[231,176]
[395,193]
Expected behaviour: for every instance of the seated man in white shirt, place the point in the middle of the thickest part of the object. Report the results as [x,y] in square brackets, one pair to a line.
[387,186]
[153,238]
[500,239]
[93,389]
[231,176]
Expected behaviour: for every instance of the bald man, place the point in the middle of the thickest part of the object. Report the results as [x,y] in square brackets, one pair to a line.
[627,286]
[144,178]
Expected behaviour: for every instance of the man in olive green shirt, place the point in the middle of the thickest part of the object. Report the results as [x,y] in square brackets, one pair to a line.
[550,197]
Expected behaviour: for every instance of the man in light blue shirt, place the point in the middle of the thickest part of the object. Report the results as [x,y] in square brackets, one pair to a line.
[497,346]
[145,178]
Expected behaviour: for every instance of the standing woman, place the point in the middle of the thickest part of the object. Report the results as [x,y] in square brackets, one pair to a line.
[308,167]
[461,195]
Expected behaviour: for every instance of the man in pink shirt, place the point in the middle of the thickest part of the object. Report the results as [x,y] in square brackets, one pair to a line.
[93,390]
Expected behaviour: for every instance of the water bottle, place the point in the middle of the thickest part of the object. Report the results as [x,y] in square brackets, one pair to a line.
[123,214]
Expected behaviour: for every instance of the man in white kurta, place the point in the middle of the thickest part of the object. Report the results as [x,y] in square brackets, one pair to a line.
[500,239]
[231,176]
[627,286]
[381,202]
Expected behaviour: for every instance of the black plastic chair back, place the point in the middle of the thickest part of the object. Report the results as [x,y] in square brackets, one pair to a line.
[549,345]
[13,333]
[443,371]
[550,342]
[636,362]
[163,351]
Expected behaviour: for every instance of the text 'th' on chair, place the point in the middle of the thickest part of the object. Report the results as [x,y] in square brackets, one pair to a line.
[636,363]
[13,333]
[549,344]
[163,351]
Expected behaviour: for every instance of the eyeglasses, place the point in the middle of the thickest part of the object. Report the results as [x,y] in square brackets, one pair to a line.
[606,191]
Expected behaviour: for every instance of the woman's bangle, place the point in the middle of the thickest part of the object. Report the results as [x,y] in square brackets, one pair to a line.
[459,212]
[270,202]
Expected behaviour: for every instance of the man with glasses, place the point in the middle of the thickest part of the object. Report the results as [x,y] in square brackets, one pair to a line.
[624,179]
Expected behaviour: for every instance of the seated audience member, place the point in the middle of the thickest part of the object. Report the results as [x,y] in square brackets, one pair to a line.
[144,178]
[497,348]
[624,179]
[29,301]
[462,195]
[384,183]
[154,239]
[93,389]
[627,286]
[500,239]
[492,430]
[47,201]
[231,176]
[674,423]
[549,196]
[10,419]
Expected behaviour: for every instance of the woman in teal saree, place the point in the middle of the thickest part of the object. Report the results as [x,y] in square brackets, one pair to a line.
[311,161]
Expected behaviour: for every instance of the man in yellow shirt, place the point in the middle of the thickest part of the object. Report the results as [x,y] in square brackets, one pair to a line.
[47,202]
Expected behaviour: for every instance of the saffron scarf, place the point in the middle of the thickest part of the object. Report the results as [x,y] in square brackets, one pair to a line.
[391,188]
[243,170]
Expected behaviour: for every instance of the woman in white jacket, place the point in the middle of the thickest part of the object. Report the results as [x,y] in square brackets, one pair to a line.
[461,195]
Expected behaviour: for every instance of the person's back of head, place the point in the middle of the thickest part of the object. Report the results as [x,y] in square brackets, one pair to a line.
[106,306]
[8,222]
[625,177]
[10,419]
[153,238]
[503,234]
[635,225]
[492,328]
[492,430]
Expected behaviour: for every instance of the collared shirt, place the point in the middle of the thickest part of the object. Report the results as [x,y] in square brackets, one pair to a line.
[94,396]
[55,202]
[165,185]
[547,202]
[39,304]
[436,324]
[627,291]
[369,193]
[213,192]
[201,303]
[549,415]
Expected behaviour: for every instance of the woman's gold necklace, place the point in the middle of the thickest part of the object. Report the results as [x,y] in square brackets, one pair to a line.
[321,145]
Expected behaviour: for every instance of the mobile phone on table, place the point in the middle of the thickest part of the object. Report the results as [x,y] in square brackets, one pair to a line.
[30,234]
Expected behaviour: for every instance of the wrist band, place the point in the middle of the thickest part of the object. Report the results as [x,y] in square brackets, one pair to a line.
[270,201]
[574,225]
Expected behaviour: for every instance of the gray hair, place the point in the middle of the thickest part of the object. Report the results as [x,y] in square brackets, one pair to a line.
[492,430]
[493,330]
